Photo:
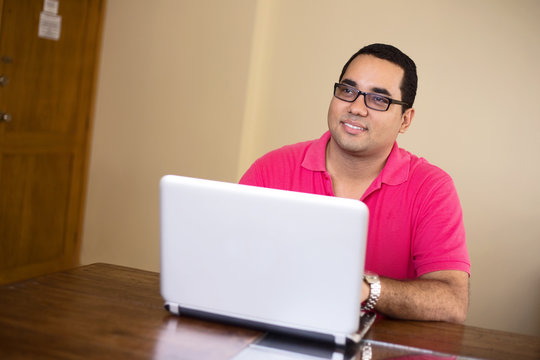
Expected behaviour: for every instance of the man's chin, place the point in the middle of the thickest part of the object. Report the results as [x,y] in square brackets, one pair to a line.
[350,145]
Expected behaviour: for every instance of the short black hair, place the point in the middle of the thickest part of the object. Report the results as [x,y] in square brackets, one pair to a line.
[409,82]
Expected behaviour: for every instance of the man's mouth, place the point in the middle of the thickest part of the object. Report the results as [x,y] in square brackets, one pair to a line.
[355,127]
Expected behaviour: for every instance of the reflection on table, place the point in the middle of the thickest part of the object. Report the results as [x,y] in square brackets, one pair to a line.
[109,311]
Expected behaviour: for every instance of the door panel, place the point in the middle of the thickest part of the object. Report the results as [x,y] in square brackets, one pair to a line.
[40,197]
[43,148]
[44,75]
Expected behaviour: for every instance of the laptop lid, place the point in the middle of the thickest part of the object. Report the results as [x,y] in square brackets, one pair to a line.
[273,259]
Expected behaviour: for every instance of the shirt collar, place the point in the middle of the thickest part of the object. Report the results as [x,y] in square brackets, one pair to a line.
[315,157]
[395,171]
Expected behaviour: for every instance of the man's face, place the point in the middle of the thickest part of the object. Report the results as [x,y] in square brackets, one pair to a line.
[358,130]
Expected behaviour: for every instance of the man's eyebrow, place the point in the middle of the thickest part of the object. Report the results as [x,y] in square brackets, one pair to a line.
[380,91]
[377,90]
[349,82]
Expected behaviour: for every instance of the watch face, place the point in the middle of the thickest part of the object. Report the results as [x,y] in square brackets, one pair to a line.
[371,278]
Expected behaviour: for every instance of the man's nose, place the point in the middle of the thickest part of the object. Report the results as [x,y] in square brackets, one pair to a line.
[358,106]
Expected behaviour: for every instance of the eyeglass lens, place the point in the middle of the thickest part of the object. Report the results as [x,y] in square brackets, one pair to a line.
[371,100]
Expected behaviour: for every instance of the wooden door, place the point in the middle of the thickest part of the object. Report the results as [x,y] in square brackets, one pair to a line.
[46,101]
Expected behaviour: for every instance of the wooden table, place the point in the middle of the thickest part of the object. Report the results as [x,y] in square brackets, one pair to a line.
[112,312]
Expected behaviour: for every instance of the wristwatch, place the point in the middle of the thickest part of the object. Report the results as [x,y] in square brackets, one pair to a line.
[374,291]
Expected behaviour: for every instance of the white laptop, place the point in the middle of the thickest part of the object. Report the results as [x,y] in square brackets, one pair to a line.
[276,260]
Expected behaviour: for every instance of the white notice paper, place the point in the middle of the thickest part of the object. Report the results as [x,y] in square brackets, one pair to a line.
[49,26]
[50,6]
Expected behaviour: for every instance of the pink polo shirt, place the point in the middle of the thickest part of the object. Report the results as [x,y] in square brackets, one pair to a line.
[415,221]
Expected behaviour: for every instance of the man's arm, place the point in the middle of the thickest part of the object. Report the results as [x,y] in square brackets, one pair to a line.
[436,296]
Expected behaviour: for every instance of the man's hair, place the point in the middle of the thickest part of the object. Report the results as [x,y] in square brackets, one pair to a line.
[409,83]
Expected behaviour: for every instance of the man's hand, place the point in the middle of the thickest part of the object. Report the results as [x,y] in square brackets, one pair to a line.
[437,296]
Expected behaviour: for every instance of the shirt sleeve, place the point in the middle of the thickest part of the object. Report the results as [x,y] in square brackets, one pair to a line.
[439,234]
[252,176]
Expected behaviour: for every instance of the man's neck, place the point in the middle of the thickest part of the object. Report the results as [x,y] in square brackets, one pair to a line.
[352,173]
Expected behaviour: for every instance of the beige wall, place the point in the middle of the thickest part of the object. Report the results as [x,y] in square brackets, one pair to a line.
[477,115]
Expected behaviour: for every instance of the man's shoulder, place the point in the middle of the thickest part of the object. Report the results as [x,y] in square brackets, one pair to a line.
[427,178]
[420,166]
[422,172]
[277,168]
[292,153]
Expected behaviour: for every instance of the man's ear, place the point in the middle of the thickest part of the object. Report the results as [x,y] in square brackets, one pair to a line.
[406,120]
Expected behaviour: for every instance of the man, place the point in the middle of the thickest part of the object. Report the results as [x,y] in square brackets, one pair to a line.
[416,239]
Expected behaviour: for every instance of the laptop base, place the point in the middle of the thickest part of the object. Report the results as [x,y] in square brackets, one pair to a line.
[365,323]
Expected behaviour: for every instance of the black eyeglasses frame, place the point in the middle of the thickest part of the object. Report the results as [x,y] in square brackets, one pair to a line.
[360,92]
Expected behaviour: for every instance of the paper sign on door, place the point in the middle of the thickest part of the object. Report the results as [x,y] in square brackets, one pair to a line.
[50,23]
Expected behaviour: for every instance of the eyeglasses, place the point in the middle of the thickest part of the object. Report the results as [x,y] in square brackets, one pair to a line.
[373,101]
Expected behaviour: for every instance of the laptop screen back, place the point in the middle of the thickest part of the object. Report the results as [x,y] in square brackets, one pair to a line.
[271,256]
